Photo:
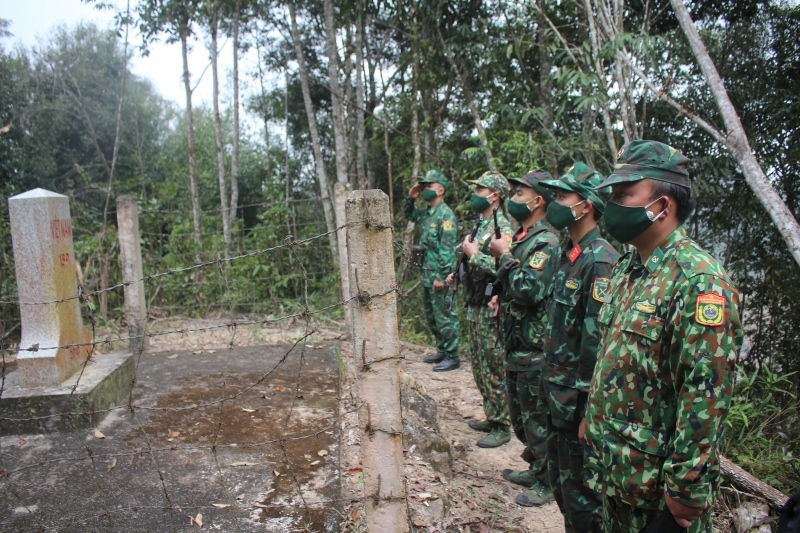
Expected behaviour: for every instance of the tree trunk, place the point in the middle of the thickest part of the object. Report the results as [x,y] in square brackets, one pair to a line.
[340,142]
[312,128]
[223,179]
[598,68]
[416,168]
[736,139]
[473,106]
[234,203]
[544,85]
[358,108]
[184,34]
[750,484]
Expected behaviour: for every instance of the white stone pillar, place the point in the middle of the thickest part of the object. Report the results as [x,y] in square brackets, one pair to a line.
[130,254]
[41,232]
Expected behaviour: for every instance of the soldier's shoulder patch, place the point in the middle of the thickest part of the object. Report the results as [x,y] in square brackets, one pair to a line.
[537,260]
[447,225]
[710,309]
[600,289]
[432,224]
[572,284]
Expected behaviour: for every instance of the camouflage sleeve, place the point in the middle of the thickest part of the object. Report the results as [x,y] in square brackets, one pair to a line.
[596,284]
[411,211]
[529,281]
[705,341]
[443,257]
[486,262]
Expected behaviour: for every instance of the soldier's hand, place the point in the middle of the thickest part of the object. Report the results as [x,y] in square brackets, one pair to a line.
[451,278]
[683,514]
[438,285]
[494,305]
[582,432]
[498,247]
[470,247]
[414,191]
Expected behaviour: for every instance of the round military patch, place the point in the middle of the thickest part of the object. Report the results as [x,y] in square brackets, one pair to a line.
[447,225]
[710,310]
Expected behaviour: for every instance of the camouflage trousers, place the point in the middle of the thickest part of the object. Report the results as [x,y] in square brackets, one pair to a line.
[581,506]
[529,424]
[488,363]
[619,517]
[442,320]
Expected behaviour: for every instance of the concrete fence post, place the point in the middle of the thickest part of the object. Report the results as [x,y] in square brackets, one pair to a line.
[376,348]
[131,258]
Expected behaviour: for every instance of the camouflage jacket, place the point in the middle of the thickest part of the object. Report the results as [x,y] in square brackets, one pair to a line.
[438,233]
[526,275]
[662,386]
[481,266]
[572,337]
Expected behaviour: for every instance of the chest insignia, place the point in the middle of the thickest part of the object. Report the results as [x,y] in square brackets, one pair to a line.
[645,307]
[432,224]
[447,225]
[538,260]
[600,290]
[710,310]
[572,284]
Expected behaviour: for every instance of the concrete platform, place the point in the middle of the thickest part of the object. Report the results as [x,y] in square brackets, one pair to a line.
[265,460]
[106,381]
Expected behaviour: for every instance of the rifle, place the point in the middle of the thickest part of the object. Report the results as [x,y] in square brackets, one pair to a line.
[461,275]
[497,234]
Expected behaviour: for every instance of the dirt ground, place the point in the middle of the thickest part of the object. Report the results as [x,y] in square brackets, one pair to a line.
[472,496]
[476,497]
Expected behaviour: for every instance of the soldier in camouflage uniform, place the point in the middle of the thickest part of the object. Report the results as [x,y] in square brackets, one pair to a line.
[438,236]
[661,389]
[526,273]
[485,350]
[572,340]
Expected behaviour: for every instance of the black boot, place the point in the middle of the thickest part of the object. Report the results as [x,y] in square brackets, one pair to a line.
[438,357]
[446,365]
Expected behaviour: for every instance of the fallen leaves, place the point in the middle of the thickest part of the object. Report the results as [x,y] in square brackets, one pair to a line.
[22,441]
[111,464]
[244,463]
[246,410]
[279,389]
[322,453]
[173,356]
[221,505]
[196,520]
[98,434]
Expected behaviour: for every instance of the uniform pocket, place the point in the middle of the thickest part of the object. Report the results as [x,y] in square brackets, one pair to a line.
[641,335]
[633,457]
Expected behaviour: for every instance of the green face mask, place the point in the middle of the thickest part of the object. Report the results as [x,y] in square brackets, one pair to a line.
[560,216]
[429,194]
[479,203]
[626,223]
[518,210]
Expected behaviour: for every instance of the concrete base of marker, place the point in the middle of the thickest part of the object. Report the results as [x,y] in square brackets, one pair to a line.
[106,382]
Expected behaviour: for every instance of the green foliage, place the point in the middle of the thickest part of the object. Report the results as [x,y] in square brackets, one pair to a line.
[763,432]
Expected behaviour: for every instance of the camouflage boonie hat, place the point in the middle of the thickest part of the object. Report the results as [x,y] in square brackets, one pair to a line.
[640,160]
[434,176]
[584,180]
[494,181]
[534,179]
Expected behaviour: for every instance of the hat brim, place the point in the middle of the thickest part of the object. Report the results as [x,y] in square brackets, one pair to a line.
[556,184]
[614,179]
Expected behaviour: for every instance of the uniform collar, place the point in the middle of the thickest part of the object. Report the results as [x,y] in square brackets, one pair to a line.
[574,251]
[660,253]
[538,227]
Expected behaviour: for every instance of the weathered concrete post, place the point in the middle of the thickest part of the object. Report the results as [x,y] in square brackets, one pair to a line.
[376,346]
[41,232]
[131,257]
[340,192]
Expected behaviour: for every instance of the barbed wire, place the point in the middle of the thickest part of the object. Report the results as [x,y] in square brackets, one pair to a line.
[170,272]
[141,411]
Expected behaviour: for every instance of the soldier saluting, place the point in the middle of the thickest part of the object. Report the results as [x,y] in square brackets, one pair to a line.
[671,333]
[438,234]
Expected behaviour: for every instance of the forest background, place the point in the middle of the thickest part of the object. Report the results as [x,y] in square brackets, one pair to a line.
[372,94]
